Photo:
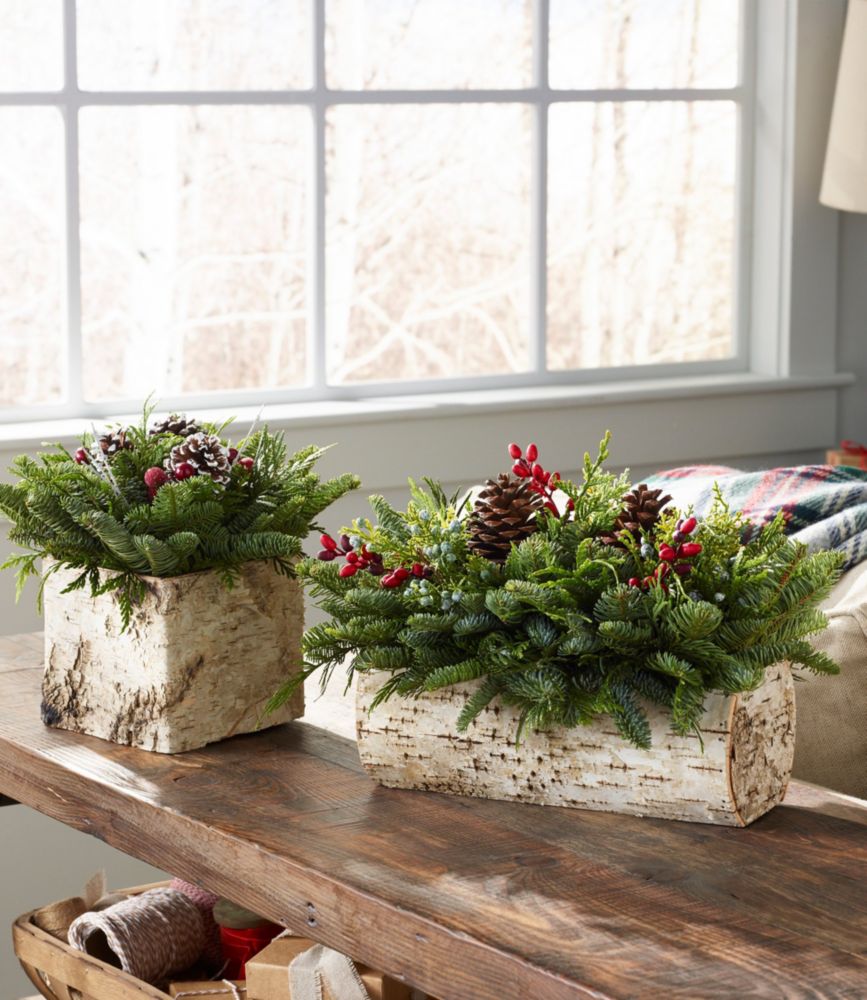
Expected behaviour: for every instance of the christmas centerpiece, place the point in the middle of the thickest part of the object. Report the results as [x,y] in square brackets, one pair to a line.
[572,643]
[168,559]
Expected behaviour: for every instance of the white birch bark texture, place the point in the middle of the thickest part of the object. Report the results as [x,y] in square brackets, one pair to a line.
[740,773]
[196,665]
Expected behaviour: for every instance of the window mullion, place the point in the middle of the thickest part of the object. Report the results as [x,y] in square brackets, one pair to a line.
[316,362]
[69,109]
[539,194]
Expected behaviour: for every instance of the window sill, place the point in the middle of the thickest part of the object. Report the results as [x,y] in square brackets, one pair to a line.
[450,435]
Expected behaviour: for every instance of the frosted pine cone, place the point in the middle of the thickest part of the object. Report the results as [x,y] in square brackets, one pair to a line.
[207,455]
[175,423]
[113,441]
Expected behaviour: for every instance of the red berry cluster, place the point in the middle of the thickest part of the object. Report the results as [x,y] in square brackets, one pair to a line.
[355,561]
[672,556]
[400,575]
[542,482]
[363,558]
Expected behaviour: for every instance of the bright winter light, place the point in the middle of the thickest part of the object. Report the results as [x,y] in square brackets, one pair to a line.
[198,230]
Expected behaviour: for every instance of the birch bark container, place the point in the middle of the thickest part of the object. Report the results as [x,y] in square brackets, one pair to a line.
[739,773]
[196,665]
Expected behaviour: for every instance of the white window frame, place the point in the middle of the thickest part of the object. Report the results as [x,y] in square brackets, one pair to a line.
[747,355]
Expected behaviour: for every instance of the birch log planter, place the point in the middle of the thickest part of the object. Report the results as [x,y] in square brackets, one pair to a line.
[196,665]
[739,774]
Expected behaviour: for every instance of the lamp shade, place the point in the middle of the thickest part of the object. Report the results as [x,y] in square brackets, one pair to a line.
[844,183]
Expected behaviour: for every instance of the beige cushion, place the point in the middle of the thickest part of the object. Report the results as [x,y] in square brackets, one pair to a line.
[831,740]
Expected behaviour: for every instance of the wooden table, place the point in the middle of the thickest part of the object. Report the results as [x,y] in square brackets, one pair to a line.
[467,899]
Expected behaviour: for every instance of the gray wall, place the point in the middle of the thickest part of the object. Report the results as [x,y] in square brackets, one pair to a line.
[852,324]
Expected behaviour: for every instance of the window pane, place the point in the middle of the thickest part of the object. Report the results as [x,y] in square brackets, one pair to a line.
[634,43]
[427,255]
[640,233]
[31,255]
[31,45]
[419,44]
[194,45]
[193,229]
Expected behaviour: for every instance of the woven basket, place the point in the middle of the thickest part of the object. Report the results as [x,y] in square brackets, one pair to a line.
[60,972]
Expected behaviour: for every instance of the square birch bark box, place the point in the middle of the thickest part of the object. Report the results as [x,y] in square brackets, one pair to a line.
[196,664]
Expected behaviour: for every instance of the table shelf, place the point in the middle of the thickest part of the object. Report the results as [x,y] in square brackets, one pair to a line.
[466,898]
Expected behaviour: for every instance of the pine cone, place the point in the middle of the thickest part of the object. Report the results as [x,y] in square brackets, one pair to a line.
[176,423]
[641,509]
[207,455]
[504,514]
[111,442]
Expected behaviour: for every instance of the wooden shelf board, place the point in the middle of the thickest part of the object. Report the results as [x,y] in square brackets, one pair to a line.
[466,898]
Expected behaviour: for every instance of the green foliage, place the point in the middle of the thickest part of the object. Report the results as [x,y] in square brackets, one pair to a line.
[559,631]
[98,514]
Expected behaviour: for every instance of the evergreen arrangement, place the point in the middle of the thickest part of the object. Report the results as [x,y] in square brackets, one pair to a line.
[565,599]
[163,499]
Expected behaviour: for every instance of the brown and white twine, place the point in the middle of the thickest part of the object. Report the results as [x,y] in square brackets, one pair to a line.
[236,992]
[152,935]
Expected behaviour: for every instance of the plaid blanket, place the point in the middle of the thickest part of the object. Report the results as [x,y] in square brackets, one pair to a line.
[825,506]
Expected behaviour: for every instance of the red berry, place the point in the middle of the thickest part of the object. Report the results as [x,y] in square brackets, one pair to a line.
[532,453]
[570,504]
[538,471]
[514,450]
[351,558]
[376,568]
[184,471]
[246,463]
[233,454]
[155,477]
[667,553]
[688,526]
[550,505]
[389,580]
[401,574]
[690,549]
[375,557]
[661,571]
[327,542]
[348,570]
[634,581]
[417,569]
[555,477]
[683,569]
[520,470]
[345,544]
[82,456]
[326,555]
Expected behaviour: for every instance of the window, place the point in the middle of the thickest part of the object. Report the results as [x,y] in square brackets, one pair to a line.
[308,199]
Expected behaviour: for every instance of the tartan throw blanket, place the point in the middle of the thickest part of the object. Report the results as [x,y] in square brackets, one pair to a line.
[825,506]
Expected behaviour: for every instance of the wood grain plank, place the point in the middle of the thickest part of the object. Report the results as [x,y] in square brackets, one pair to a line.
[469,898]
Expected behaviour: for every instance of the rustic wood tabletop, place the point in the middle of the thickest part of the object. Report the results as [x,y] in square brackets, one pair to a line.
[467,899]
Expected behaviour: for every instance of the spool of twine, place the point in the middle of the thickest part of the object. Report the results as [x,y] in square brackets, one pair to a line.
[150,936]
[205,902]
